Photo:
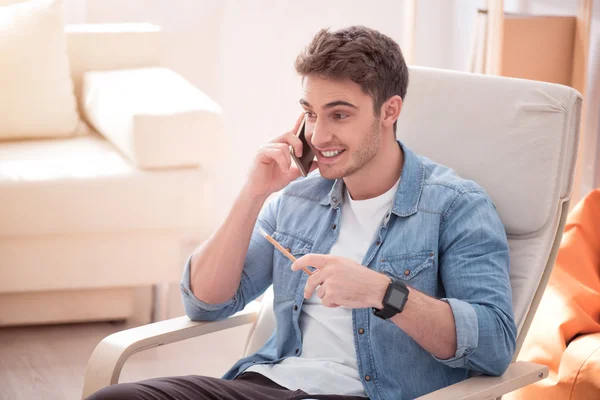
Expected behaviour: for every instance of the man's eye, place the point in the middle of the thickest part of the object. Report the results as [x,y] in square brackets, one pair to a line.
[310,114]
[341,116]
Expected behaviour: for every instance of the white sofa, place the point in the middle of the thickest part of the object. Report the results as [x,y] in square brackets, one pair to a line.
[85,220]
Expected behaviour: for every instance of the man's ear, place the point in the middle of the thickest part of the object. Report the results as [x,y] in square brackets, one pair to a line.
[390,111]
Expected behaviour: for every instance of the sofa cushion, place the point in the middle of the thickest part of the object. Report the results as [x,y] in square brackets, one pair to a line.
[36,98]
[84,185]
[153,116]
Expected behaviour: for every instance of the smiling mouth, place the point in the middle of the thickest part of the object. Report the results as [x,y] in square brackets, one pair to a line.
[331,154]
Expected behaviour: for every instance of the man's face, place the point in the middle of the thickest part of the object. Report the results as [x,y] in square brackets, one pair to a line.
[340,125]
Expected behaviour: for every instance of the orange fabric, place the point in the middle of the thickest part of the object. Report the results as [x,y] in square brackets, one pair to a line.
[565,333]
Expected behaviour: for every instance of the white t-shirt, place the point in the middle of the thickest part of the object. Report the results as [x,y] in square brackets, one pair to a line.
[327,364]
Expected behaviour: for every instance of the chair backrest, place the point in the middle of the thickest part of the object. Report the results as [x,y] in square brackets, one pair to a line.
[516,138]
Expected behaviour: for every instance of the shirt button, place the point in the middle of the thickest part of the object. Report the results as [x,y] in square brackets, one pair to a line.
[333,226]
[378,243]
[295,308]
[288,249]
[367,378]
[297,351]
[334,199]
[185,291]
[361,331]
[407,272]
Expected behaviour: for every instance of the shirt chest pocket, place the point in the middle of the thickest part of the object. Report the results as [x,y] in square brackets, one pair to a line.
[286,281]
[416,269]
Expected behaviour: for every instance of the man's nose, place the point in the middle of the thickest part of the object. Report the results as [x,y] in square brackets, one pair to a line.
[320,135]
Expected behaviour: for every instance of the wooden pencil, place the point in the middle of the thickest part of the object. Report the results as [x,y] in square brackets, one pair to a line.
[281,249]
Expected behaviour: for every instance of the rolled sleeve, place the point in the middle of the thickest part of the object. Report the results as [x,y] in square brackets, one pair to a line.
[255,278]
[192,304]
[467,332]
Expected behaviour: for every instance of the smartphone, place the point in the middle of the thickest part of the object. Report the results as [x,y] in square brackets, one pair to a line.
[304,163]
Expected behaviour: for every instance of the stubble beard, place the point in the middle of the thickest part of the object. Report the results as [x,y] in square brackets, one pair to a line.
[359,157]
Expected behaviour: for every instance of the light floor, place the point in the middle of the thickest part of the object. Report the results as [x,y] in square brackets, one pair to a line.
[49,362]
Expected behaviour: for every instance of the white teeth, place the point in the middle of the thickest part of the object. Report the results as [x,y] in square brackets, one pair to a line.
[331,153]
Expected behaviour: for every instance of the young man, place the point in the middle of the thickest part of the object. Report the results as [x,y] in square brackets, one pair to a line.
[411,287]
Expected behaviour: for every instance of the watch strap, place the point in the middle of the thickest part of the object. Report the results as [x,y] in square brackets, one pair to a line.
[389,311]
[386,312]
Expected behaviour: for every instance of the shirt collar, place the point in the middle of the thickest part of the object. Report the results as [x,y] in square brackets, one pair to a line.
[409,190]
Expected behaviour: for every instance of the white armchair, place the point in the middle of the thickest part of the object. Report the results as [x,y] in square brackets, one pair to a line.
[516,138]
[85,219]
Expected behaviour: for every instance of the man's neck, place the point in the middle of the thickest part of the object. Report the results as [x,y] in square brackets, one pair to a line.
[378,175]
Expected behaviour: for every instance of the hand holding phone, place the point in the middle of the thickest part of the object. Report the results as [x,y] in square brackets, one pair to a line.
[272,169]
[305,161]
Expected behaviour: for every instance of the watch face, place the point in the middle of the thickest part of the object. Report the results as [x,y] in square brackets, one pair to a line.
[396,298]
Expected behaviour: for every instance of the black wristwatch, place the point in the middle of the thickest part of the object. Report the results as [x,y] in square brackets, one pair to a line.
[394,300]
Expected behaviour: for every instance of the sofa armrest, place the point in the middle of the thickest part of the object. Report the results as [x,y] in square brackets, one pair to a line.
[153,116]
[518,375]
[108,358]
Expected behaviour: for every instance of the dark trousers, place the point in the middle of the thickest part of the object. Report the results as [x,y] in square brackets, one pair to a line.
[248,386]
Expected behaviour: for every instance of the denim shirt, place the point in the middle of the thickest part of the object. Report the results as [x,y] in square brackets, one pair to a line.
[442,237]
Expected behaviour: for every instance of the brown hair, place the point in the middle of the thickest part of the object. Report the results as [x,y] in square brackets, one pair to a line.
[366,56]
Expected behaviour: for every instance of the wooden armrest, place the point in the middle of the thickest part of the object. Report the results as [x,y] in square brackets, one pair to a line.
[485,387]
[108,358]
